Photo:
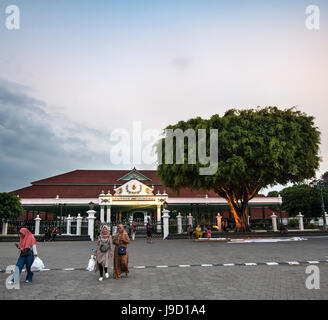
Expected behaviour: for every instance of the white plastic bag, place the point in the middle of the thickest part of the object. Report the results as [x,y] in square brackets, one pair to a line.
[91,264]
[37,265]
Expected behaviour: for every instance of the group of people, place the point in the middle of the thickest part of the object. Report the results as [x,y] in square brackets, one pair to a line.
[121,239]
[204,232]
[104,251]
[50,234]
[106,247]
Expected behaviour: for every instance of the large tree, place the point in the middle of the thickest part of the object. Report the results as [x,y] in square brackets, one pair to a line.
[10,206]
[256,148]
[302,198]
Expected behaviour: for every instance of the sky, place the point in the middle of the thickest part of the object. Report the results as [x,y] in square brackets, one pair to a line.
[77,72]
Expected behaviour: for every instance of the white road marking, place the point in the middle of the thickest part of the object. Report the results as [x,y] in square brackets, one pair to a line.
[272,263]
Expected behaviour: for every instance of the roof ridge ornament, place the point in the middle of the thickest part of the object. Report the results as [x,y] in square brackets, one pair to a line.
[134,174]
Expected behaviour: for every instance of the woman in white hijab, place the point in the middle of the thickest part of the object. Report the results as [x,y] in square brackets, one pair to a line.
[103,252]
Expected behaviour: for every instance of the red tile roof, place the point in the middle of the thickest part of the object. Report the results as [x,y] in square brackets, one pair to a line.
[96,177]
[90,183]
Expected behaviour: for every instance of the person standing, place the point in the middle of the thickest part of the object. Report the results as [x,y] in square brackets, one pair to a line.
[128,229]
[198,232]
[121,257]
[148,228]
[27,247]
[103,252]
[114,229]
[190,231]
[133,230]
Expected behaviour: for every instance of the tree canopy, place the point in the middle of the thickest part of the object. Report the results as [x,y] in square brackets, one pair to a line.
[302,198]
[256,148]
[10,206]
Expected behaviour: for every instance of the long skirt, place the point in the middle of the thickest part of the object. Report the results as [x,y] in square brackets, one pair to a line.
[120,263]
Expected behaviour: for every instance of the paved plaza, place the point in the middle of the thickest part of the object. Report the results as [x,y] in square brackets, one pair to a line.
[177,269]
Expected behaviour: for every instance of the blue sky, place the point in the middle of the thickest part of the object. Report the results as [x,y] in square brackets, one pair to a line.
[77,70]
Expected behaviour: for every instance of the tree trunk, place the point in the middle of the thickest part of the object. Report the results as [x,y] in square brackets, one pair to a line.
[240,218]
[238,203]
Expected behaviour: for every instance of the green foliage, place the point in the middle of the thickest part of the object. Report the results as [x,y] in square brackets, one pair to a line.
[264,146]
[311,226]
[10,206]
[324,178]
[256,148]
[293,223]
[13,229]
[273,194]
[303,198]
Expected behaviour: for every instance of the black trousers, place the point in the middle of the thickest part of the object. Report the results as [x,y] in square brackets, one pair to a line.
[101,270]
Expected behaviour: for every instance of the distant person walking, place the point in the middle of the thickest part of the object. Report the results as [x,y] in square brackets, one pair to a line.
[103,252]
[133,230]
[54,234]
[148,228]
[27,248]
[121,257]
[190,231]
[114,230]
[128,229]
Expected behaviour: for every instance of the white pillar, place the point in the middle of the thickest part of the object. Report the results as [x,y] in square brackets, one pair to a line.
[300,221]
[165,223]
[4,228]
[102,214]
[159,218]
[219,221]
[68,224]
[91,223]
[274,223]
[190,219]
[109,212]
[37,225]
[179,221]
[78,224]
[326,215]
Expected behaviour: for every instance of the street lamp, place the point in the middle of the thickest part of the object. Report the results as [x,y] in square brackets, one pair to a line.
[318,185]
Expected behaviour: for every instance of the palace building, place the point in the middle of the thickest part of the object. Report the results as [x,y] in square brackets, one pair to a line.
[121,195]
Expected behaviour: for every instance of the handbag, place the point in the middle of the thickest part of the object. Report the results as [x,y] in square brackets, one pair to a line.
[104,247]
[122,251]
[26,252]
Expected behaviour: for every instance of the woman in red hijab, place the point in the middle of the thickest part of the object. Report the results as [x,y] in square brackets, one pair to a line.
[27,247]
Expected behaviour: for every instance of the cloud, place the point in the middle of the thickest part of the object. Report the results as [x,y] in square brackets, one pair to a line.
[35,143]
